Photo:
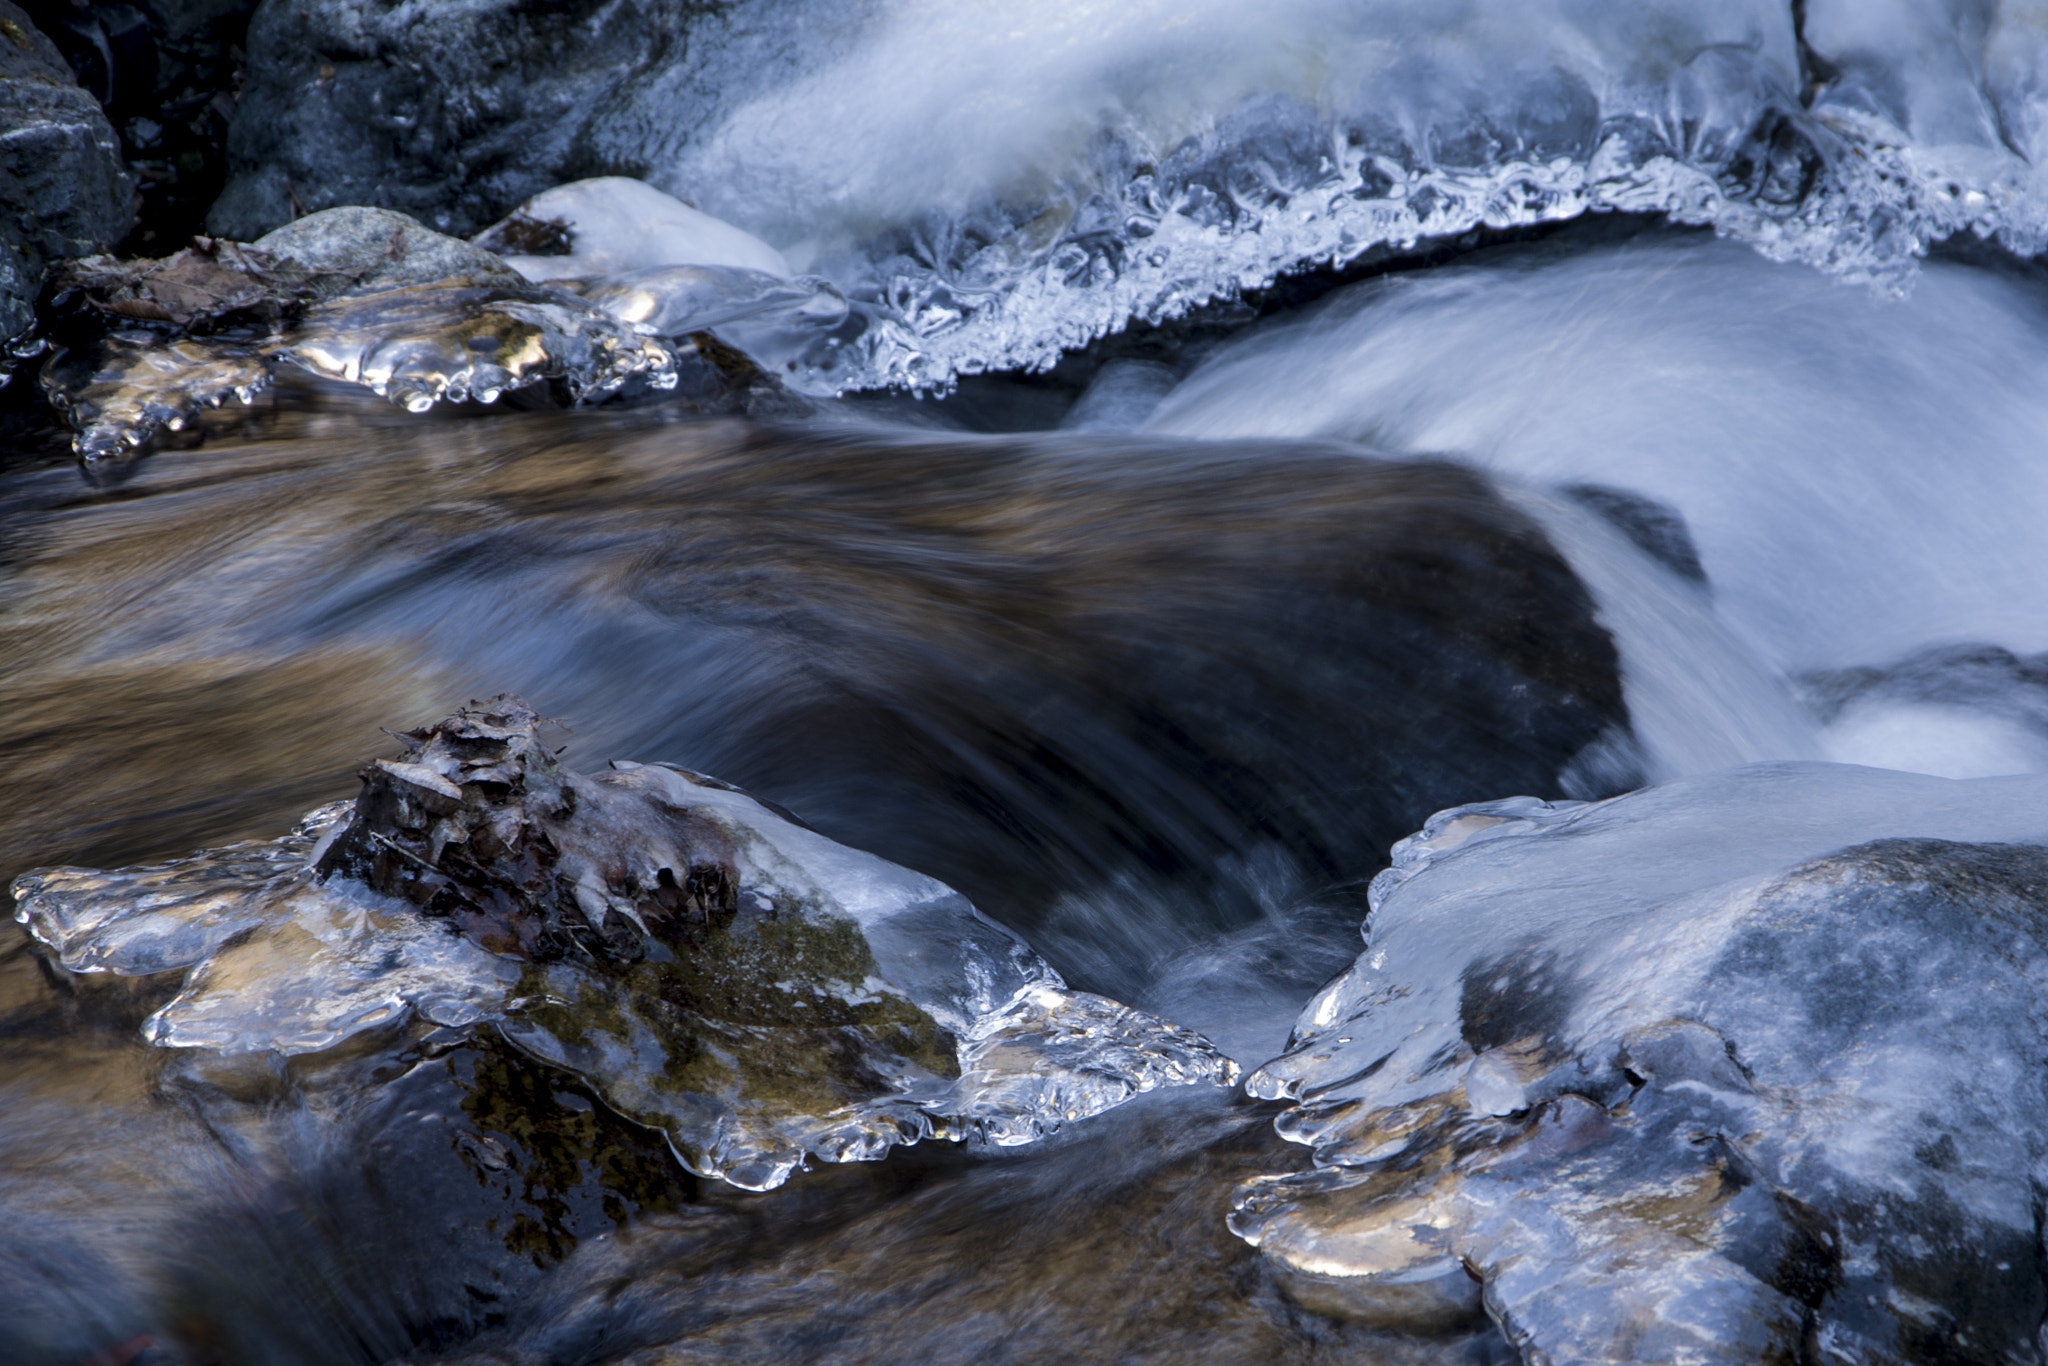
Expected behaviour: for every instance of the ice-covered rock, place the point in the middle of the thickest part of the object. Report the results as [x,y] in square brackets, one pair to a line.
[417,344]
[615,223]
[1740,1068]
[713,968]
[63,189]
[773,320]
[421,345]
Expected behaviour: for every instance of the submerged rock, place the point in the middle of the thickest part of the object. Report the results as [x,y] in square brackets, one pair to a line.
[63,189]
[1741,1068]
[713,969]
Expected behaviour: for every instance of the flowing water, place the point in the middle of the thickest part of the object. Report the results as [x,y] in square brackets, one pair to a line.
[1155,657]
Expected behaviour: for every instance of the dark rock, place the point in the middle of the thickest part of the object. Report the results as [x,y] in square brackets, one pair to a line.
[1037,669]
[205,285]
[63,189]
[755,991]
[1657,529]
[167,73]
[454,114]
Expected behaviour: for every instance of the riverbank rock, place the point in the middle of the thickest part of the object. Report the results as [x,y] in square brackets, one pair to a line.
[1742,1068]
[453,114]
[714,969]
[63,189]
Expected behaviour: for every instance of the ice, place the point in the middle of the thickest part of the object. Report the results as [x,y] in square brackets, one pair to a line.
[416,345]
[719,972]
[773,320]
[613,224]
[994,182]
[1698,1073]
[428,344]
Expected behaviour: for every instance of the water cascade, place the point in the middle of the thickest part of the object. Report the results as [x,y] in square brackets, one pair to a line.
[842,683]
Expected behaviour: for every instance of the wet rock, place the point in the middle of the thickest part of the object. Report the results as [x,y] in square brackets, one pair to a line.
[63,189]
[1741,1068]
[1656,529]
[356,248]
[726,976]
[167,73]
[1120,693]
[208,285]
[1962,711]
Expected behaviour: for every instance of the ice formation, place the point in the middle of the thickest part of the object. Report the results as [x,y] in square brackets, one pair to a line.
[1740,1068]
[717,971]
[995,182]
[611,224]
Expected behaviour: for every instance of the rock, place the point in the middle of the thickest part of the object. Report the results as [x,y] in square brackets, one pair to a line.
[207,285]
[1960,711]
[63,189]
[611,224]
[167,73]
[1710,1072]
[356,248]
[452,113]
[712,968]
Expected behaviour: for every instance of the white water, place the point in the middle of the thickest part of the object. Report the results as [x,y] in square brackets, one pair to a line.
[1862,478]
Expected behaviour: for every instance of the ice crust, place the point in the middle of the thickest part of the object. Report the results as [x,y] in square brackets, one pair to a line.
[1705,1073]
[610,224]
[755,991]
[994,182]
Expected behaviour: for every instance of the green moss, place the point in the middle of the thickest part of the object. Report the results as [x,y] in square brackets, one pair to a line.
[565,1164]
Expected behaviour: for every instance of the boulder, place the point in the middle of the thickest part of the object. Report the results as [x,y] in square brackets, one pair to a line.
[355,248]
[63,189]
[1711,1072]
[453,113]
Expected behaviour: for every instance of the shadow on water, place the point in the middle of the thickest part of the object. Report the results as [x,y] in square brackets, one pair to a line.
[1159,705]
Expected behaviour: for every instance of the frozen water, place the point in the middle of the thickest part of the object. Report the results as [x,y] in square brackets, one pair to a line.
[132,385]
[417,346]
[757,992]
[615,223]
[1698,1073]
[423,345]
[995,181]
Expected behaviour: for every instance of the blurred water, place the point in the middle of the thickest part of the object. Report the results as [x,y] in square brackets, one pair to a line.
[1158,690]
[1861,478]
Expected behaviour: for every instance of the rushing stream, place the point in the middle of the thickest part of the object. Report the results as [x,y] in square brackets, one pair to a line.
[1083,512]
